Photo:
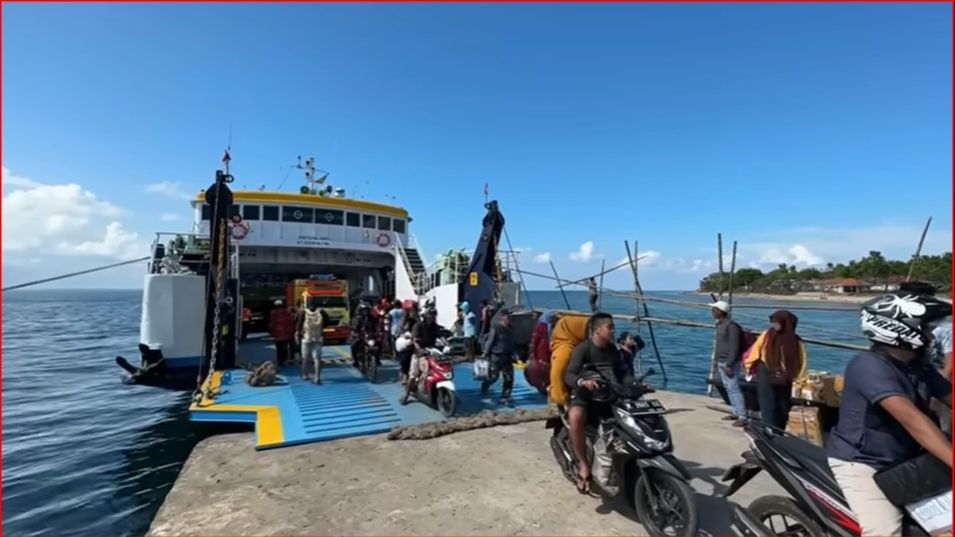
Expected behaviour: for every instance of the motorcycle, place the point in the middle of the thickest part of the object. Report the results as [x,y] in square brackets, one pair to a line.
[817,505]
[368,362]
[637,460]
[436,389]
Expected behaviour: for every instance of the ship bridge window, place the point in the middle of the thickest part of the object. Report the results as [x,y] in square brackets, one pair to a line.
[207,211]
[353,219]
[270,213]
[330,217]
[297,214]
[398,225]
[250,212]
[384,223]
[368,220]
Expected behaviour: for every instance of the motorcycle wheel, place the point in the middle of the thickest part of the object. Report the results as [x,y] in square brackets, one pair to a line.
[672,509]
[770,509]
[446,402]
[371,365]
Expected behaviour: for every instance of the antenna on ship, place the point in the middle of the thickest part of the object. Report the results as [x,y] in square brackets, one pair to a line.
[310,170]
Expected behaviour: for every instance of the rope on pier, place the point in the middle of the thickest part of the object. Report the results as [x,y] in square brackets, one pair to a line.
[485,418]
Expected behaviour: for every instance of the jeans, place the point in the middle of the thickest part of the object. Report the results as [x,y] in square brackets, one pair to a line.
[732,390]
[312,352]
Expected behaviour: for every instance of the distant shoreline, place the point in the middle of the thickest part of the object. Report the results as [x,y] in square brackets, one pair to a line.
[823,298]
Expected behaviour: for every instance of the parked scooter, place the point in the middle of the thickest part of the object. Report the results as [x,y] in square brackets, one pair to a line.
[638,459]
[436,389]
[921,487]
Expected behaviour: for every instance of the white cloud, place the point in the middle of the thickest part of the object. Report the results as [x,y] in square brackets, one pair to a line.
[170,217]
[542,258]
[12,181]
[894,239]
[585,253]
[796,254]
[63,219]
[169,188]
[117,242]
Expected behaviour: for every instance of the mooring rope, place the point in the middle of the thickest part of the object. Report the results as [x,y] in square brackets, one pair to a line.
[70,275]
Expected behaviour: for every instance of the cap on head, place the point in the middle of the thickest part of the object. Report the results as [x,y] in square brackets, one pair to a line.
[721,305]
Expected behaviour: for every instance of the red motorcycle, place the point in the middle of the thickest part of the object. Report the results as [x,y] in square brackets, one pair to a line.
[436,388]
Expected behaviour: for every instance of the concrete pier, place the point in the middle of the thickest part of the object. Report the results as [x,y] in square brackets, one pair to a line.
[495,481]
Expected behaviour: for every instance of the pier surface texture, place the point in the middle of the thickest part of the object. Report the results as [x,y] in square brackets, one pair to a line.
[295,411]
[494,481]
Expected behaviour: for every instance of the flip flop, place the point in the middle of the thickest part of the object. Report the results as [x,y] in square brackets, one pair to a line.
[583,485]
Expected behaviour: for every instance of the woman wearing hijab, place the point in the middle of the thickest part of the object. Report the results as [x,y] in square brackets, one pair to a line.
[779,356]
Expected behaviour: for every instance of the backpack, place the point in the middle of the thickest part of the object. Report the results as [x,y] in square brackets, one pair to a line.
[746,341]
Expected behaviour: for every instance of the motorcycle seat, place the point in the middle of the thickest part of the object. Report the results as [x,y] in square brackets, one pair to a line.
[810,456]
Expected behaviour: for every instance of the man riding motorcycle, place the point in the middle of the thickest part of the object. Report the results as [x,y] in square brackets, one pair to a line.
[424,336]
[598,353]
[884,417]
[362,329]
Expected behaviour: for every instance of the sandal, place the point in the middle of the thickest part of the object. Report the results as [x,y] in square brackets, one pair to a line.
[583,485]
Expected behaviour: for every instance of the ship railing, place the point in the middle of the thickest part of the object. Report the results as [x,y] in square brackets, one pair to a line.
[164,243]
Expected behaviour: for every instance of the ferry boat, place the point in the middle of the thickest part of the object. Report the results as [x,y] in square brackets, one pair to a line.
[247,248]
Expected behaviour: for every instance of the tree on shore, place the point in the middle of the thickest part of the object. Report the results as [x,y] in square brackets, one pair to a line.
[873,269]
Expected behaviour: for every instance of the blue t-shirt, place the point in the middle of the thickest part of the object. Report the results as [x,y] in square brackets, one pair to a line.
[866,432]
[396,316]
[470,324]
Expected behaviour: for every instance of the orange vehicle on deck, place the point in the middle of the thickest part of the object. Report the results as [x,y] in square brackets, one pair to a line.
[327,293]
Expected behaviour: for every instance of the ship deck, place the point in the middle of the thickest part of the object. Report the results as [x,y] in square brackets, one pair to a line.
[295,411]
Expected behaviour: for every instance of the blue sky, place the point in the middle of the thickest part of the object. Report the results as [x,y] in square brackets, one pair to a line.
[807,132]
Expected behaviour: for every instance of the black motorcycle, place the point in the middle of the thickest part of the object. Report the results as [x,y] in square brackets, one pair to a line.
[641,464]
[920,487]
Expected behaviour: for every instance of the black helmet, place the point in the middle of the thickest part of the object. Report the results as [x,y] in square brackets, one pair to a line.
[902,320]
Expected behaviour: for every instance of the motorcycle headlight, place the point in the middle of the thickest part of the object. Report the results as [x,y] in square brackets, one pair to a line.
[636,429]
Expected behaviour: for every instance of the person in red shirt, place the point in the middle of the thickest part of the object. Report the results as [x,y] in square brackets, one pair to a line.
[282,330]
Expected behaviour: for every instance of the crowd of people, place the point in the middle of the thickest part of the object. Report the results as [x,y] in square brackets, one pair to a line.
[891,403]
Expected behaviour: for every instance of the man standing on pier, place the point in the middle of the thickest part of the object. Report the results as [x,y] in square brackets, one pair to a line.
[594,294]
[727,351]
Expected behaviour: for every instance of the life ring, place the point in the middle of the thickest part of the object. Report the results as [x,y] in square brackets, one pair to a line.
[240,230]
[383,240]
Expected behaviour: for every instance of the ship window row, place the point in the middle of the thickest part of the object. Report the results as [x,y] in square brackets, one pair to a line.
[311,215]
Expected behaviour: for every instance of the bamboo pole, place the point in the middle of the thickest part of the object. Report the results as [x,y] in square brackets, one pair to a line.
[641,297]
[636,301]
[694,324]
[732,274]
[646,311]
[600,290]
[562,293]
[918,250]
[719,254]
[583,280]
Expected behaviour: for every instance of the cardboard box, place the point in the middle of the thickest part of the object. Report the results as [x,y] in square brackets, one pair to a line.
[804,423]
[808,388]
[831,392]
